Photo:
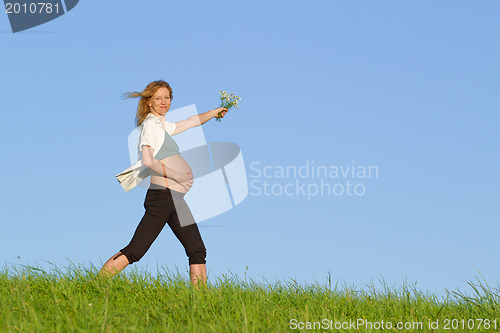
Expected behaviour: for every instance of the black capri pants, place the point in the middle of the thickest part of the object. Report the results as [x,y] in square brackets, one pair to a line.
[165,205]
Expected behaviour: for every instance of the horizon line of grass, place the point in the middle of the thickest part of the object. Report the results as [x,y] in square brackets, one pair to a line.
[78,300]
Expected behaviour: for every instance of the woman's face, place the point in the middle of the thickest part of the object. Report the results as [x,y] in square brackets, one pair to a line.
[160,102]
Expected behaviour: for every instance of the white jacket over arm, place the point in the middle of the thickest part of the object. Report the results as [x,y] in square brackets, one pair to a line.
[152,134]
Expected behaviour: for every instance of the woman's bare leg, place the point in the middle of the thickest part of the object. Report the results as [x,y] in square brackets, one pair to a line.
[198,273]
[114,265]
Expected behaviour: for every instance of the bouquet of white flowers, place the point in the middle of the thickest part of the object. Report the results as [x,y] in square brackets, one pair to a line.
[227,101]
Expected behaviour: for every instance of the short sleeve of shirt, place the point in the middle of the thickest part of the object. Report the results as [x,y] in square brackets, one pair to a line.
[169,127]
[148,135]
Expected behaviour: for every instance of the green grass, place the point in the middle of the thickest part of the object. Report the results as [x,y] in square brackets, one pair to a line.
[33,300]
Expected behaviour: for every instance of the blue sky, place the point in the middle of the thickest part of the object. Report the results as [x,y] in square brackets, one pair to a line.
[409,87]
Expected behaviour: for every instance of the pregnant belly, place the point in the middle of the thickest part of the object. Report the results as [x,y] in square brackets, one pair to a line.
[177,163]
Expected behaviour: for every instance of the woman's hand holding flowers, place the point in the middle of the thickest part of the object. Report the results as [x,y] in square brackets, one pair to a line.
[227,101]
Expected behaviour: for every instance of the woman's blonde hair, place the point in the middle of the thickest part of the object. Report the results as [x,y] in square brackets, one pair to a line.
[145,95]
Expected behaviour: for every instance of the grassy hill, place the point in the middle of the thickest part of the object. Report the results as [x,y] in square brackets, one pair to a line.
[32,300]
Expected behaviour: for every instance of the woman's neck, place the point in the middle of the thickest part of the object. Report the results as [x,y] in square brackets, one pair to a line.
[159,116]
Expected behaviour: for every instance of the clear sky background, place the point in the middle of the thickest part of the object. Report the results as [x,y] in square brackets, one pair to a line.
[409,87]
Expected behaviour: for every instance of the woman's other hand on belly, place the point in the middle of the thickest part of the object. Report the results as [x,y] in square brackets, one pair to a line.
[185,178]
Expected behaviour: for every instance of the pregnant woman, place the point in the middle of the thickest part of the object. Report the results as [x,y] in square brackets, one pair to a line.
[171,178]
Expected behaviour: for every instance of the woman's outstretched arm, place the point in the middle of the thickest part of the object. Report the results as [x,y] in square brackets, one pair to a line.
[197,120]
